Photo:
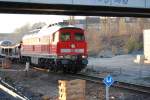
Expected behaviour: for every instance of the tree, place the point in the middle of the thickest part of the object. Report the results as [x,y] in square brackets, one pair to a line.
[38,25]
[25,29]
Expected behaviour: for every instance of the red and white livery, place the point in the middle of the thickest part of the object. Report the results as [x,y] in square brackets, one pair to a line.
[58,46]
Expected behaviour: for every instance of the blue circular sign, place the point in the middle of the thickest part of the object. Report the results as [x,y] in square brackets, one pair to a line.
[108,80]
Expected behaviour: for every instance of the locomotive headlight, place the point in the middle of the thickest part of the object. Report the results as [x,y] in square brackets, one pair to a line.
[60,56]
[84,57]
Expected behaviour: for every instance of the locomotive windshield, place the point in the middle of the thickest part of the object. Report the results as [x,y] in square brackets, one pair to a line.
[65,36]
[79,36]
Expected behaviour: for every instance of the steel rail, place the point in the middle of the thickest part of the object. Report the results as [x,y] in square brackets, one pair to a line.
[118,84]
[123,85]
[11,90]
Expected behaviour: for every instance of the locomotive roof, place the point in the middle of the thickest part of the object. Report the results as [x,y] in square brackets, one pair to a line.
[46,30]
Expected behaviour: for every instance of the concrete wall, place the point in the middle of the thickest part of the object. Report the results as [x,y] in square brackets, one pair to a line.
[146,39]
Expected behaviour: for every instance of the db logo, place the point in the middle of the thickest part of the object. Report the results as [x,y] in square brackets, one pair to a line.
[72,45]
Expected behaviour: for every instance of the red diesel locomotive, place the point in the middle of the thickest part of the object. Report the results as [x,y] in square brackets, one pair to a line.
[59,47]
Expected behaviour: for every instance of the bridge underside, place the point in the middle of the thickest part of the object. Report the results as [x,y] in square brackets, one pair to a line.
[57,9]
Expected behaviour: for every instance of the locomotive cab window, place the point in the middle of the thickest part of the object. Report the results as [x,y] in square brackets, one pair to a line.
[79,36]
[65,36]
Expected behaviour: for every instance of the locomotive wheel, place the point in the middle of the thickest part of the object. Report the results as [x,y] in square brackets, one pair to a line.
[55,68]
[64,69]
[70,69]
[74,69]
[51,68]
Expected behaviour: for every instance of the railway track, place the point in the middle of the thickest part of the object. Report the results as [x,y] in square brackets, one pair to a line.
[118,84]
[123,85]
[11,91]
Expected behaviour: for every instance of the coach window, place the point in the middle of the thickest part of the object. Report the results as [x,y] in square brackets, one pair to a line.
[79,36]
[65,36]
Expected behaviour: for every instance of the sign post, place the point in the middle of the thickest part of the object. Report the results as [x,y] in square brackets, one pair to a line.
[107,93]
[108,80]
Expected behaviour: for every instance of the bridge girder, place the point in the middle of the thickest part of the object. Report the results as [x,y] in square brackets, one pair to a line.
[76,10]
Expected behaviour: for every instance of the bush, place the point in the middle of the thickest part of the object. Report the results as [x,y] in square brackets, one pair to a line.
[114,50]
[132,44]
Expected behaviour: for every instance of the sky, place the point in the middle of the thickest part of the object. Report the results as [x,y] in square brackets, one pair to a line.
[9,22]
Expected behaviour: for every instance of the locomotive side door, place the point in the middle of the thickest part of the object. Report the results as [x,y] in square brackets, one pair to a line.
[54,40]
